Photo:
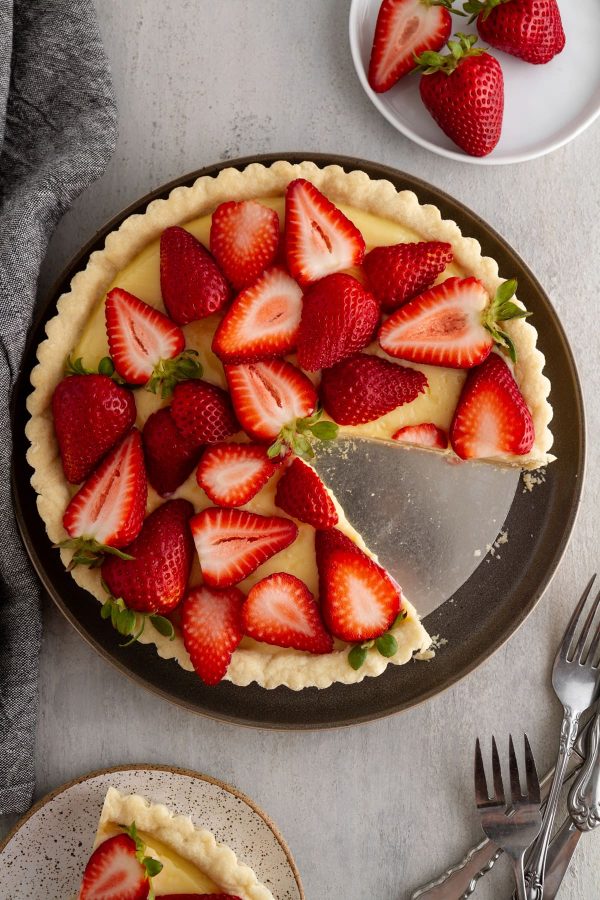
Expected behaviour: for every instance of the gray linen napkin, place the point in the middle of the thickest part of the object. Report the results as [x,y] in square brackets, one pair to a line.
[57,132]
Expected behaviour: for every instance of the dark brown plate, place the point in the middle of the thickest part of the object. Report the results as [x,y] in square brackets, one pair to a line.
[539,524]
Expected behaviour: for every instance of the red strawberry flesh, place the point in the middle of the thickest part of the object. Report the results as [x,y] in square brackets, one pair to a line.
[339,317]
[155,580]
[302,494]
[91,415]
[211,623]
[401,271]
[232,474]
[244,238]
[281,610]
[491,419]
[262,322]
[404,28]
[442,327]
[109,508]
[202,412]
[529,29]
[139,336]
[113,872]
[192,284]
[232,543]
[319,238]
[364,388]
[424,435]
[170,458]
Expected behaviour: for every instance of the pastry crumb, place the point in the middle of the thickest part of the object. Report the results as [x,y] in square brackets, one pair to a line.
[476,552]
[531,479]
[424,655]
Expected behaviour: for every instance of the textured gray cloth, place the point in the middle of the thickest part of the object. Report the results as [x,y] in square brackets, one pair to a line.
[57,132]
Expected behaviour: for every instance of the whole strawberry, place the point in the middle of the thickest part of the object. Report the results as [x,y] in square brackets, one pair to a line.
[464,92]
[192,284]
[529,29]
[397,273]
[91,414]
[170,458]
[154,580]
[339,317]
[202,412]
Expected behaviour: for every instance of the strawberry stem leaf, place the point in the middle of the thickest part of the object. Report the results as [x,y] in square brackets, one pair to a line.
[105,367]
[151,865]
[168,372]
[163,626]
[357,656]
[476,7]
[501,309]
[386,644]
[430,62]
[89,552]
[299,436]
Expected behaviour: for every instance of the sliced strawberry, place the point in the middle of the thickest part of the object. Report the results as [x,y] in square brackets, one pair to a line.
[262,321]
[397,273]
[202,412]
[281,610]
[192,284]
[454,324]
[319,239]
[140,337]
[114,872]
[170,458]
[199,897]
[108,511]
[211,622]
[232,543]
[232,474]
[91,414]
[339,317]
[405,28]
[491,419]
[359,600]
[425,435]
[269,395]
[155,579]
[302,494]
[244,238]
[364,388]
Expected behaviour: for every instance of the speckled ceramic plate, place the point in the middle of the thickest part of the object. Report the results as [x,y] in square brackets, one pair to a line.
[437,550]
[44,856]
[571,79]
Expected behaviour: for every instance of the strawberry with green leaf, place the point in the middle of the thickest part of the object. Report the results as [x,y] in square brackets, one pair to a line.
[529,29]
[119,869]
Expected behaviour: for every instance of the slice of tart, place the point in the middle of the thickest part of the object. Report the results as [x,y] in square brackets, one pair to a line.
[370,316]
[141,850]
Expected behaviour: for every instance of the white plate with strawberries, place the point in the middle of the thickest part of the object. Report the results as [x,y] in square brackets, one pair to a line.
[546,105]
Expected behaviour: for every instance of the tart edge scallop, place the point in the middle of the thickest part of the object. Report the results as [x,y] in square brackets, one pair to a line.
[269,669]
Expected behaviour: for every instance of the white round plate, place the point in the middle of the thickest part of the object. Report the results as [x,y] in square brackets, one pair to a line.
[544,106]
[44,856]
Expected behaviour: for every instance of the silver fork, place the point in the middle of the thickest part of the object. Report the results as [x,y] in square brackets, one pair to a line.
[575,678]
[513,826]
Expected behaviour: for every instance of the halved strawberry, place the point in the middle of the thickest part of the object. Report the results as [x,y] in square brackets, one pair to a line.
[170,458]
[405,28]
[144,343]
[424,435]
[397,273]
[359,600]
[339,317]
[232,474]
[107,512]
[244,238]
[364,388]
[302,494]
[281,610]
[492,419]
[211,622]
[115,872]
[91,414]
[232,543]
[319,239]
[155,578]
[199,897]
[202,412]
[272,400]
[262,321]
[454,324]
[192,284]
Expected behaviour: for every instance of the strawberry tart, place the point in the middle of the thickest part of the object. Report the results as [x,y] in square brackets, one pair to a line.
[193,370]
[141,850]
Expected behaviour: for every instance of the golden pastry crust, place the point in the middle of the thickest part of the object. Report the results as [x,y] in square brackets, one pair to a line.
[379,197]
[196,845]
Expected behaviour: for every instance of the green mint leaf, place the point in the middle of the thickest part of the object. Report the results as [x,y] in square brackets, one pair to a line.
[163,626]
[357,656]
[386,644]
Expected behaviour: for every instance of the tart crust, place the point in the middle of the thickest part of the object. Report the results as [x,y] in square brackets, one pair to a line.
[196,845]
[280,667]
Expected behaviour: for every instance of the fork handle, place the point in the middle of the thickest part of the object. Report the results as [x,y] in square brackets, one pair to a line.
[520,877]
[534,875]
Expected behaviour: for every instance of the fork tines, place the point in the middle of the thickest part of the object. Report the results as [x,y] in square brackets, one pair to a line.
[482,794]
[576,654]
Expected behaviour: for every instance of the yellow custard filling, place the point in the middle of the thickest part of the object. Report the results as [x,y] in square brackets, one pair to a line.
[178,875]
